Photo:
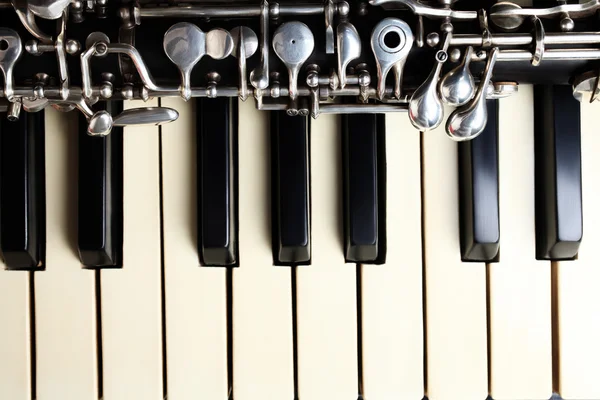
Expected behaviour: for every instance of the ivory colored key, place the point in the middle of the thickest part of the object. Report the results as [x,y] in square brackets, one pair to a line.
[15,335]
[520,291]
[131,296]
[326,290]
[195,297]
[455,291]
[262,293]
[65,293]
[577,295]
[392,312]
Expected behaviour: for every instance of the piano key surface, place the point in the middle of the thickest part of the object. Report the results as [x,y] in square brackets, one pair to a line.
[479,189]
[558,173]
[263,361]
[520,323]
[22,192]
[131,299]
[195,296]
[15,335]
[217,181]
[65,293]
[363,141]
[576,291]
[392,302]
[290,189]
[326,290]
[455,291]
[100,195]
[391,293]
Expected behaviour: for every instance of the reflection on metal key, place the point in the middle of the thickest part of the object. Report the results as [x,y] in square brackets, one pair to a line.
[219,43]
[48,9]
[185,45]
[349,48]
[10,51]
[245,44]
[391,42]
[293,43]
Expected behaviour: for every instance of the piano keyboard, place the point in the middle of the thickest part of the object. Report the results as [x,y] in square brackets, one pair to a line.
[317,259]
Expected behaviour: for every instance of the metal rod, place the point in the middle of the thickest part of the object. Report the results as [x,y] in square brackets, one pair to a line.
[200,11]
[343,108]
[362,108]
[231,11]
[549,55]
[507,39]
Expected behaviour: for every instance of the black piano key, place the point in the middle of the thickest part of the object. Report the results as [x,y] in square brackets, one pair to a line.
[559,216]
[100,212]
[290,189]
[22,191]
[217,181]
[363,155]
[478,182]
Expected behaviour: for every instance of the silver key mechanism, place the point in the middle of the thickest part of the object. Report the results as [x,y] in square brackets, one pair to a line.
[466,123]
[245,44]
[391,41]
[349,48]
[10,52]
[293,43]
[458,86]
[101,123]
[28,20]
[48,9]
[219,43]
[185,45]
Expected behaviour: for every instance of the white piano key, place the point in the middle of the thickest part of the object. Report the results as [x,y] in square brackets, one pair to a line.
[262,293]
[392,299]
[131,296]
[326,290]
[15,335]
[456,315]
[65,294]
[195,297]
[578,281]
[520,291]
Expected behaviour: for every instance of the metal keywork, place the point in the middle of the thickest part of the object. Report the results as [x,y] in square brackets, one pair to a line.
[293,43]
[506,21]
[458,86]
[245,44]
[28,20]
[48,9]
[101,123]
[587,85]
[10,52]
[349,48]
[510,16]
[425,109]
[466,123]
[185,45]
[219,44]
[259,77]
[422,10]
[391,41]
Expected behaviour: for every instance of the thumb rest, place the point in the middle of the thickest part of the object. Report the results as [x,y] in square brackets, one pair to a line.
[305,58]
